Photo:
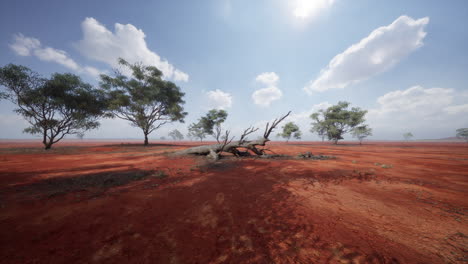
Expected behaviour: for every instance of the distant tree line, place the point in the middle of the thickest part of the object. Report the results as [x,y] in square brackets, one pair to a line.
[66,105]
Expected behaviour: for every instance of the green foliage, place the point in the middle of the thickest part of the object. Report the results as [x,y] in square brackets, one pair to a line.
[210,124]
[337,120]
[318,127]
[212,120]
[462,133]
[54,107]
[361,132]
[176,135]
[195,130]
[290,129]
[145,100]
[407,136]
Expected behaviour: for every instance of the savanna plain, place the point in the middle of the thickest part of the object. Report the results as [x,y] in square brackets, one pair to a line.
[114,202]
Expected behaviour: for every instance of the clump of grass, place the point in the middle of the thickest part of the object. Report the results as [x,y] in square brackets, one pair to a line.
[354,161]
[376,164]
[387,166]
[97,181]
[159,174]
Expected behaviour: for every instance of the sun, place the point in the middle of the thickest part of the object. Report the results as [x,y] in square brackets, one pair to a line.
[309,8]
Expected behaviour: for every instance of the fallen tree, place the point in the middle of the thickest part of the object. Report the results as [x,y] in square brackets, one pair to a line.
[241,147]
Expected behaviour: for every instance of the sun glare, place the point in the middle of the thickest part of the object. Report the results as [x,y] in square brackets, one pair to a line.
[308,8]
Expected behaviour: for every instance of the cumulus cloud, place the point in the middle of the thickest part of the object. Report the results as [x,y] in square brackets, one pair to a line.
[28,46]
[427,112]
[376,53]
[127,42]
[265,96]
[219,99]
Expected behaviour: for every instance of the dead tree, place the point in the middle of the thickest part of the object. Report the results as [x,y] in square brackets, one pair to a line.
[242,147]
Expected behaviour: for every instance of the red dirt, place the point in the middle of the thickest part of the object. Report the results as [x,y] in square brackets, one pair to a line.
[344,210]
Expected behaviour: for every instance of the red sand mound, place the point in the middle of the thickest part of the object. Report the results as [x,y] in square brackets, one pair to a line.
[124,203]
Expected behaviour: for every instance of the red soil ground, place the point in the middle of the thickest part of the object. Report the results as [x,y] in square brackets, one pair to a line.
[375,203]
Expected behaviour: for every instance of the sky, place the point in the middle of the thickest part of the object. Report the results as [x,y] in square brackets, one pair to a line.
[405,62]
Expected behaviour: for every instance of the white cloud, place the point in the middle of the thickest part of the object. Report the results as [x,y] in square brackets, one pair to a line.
[24,45]
[265,96]
[376,53]
[219,99]
[427,112]
[456,109]
[55,55]
[127,42]
[267,78]
[27,46]
[310,8]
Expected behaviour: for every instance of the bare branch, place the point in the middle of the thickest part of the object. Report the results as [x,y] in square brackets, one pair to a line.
[269,129]
[247,132]
[226,140]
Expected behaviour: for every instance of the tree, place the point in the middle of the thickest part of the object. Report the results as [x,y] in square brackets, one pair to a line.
[290,129]
[320,129]
[176,135]
[56,107]
[407,136]
[145,100]
[337,120]
[196,131]
[361,132]
[211,123]
[462,133]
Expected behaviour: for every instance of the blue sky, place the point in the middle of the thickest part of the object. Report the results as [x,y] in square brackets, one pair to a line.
[404,61]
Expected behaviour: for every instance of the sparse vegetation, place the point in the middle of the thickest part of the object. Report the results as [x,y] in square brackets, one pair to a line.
[176,135]
[361,132]
[337,120]
[462,133]
[146,100]
[408,136]
[56,107]
[290,130]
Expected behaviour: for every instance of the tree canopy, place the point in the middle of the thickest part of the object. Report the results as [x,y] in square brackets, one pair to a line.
[290,129]
[337,120]
[211,122]
[407,136]
[195,130]
[55,107]
[145,99]
[361,132]
[176,135]
[320,129]
[463,133]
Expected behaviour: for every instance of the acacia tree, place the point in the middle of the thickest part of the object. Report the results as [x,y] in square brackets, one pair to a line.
[196,131]
[176,135]
[361,132]
[320,129]
[338,120]
[211,123]
[56,107]
[290,129]
[145,100]
[407,136]
[462,133]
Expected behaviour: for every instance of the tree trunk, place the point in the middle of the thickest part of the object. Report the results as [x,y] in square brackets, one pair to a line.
[146,139]
[44,138]
[48,145]
[336,141]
